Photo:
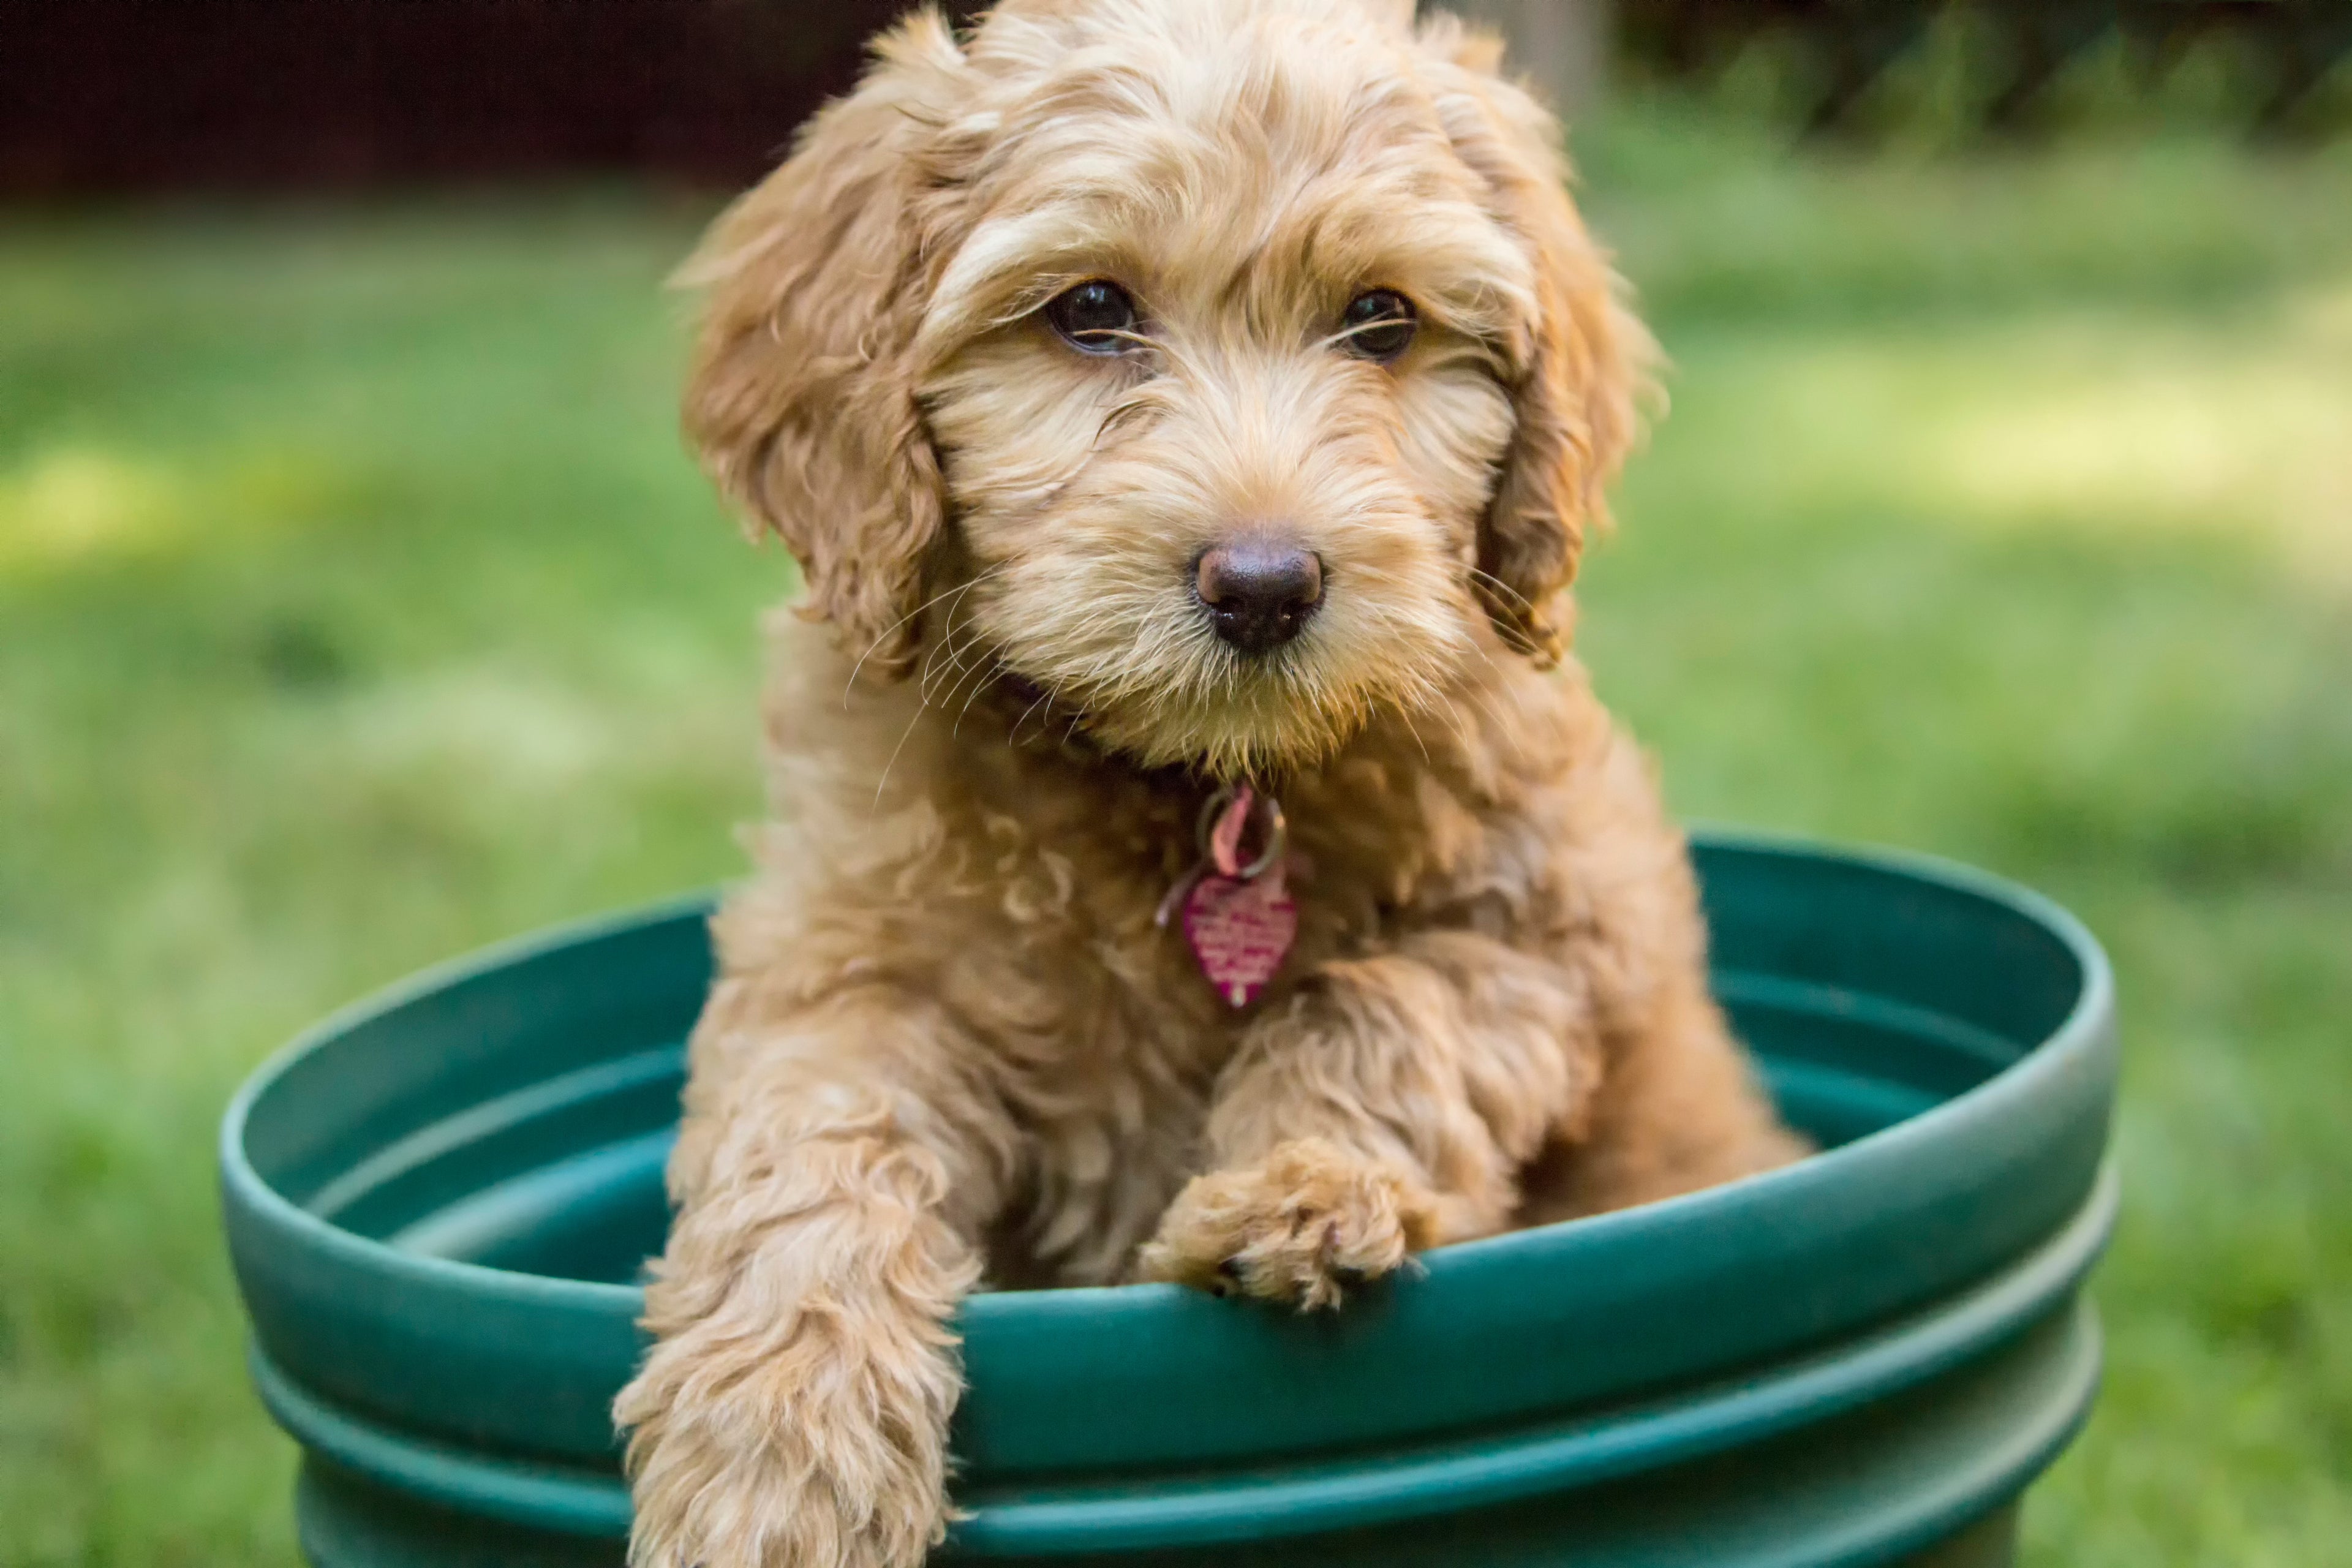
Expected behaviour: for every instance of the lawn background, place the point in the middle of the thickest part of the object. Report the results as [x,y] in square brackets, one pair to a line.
[357,607]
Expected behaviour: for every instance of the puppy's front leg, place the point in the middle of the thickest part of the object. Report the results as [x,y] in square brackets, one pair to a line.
[1387,1108]
[835,1167]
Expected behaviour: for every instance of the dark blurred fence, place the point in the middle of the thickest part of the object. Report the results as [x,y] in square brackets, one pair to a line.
[131,94]
[112,95]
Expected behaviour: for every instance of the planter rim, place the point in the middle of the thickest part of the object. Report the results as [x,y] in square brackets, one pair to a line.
[2091,1014]
[1872,985]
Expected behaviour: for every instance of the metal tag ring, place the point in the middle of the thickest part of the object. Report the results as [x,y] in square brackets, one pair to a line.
[1277,829]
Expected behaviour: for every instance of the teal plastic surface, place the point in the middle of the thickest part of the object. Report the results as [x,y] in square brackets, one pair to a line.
[437,1201]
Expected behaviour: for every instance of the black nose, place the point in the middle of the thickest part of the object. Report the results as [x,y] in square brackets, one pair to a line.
[1258,593]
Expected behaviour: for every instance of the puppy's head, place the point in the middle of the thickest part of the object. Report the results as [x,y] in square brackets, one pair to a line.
[1223,368]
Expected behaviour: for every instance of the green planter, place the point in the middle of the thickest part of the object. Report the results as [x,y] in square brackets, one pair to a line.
[437,1203]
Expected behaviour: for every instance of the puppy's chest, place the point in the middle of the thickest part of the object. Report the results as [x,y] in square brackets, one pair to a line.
[1111,1131]
[1114,1092]
[1141,1026]
[1147,940]
[1109,915]
[1113,1108]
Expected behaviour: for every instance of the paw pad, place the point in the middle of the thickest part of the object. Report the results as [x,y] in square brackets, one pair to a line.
[1306,1226]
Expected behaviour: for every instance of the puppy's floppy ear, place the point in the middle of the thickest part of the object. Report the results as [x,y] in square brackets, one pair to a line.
[799,399]
[1584,364]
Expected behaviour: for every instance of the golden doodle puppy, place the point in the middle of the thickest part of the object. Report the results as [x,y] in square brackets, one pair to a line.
[1194,858]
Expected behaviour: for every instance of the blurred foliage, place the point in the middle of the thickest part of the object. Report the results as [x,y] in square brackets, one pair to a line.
[357,607]
[1977,69]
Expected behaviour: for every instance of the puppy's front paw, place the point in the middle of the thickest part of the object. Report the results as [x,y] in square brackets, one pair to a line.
[790,1461]
[1304,1227]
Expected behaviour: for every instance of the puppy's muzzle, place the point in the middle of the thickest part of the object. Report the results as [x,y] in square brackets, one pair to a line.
[1259,593]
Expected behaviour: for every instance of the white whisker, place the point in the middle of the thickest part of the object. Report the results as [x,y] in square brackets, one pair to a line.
[961,588]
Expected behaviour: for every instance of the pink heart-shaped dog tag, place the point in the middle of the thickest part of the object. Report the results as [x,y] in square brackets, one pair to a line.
[1240,929]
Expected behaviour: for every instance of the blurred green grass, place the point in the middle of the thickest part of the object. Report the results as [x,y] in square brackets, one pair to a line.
[357,607]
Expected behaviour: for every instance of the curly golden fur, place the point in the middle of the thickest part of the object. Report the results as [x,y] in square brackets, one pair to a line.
[950,1045]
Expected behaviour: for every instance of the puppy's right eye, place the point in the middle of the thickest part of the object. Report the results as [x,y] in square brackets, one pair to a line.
[1093,318]
[1380,325]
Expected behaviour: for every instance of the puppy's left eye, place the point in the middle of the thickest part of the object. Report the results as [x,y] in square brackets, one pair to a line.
[1097,317]
[1379,325]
